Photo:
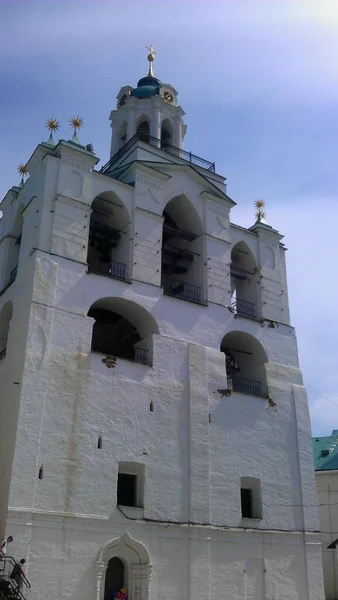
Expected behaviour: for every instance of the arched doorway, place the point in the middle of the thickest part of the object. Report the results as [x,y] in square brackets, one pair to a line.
[143,131]
[182,251]
[244,280]
[136,563]
[114,579]
[109,237]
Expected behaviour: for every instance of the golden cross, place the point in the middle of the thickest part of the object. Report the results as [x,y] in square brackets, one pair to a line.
[151,57]
[151,50]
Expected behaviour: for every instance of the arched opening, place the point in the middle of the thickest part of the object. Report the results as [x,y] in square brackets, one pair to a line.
[143,131]
[245,360]
[166,134]
[182,251]
[109,237]
[244,282]
[5,320]
[14,245]
[136,563]
[122,329]
[114,579]
[123,135]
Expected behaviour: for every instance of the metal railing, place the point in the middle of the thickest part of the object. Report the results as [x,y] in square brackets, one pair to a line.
[112,269]
[165,147]
[9,587]
[181,289]
[244,386]
[243,308]
[3,353]
[141,356]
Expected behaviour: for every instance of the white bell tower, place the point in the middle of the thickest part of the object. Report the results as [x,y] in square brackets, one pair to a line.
[150,110]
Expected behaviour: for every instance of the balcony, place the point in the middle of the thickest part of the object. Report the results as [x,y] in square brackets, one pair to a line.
[181,290]
[244,386]
[243,308]
[113,269]
[8,586]
[165,147]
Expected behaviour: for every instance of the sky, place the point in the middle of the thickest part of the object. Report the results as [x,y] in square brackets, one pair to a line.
[258,82]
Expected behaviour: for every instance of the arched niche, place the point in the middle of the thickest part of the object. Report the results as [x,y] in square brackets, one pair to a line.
[182,263]
[245,360]
[14,246]
[123,134]
[245,291]
[166,134]
[143,129]
[135,559]
[6,315]
[109,243]
[123,329]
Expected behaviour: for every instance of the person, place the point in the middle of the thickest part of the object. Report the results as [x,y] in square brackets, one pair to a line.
[3,545]
[17,574]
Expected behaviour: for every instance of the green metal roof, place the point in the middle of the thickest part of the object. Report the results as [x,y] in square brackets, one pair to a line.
[325,452]
[146,87]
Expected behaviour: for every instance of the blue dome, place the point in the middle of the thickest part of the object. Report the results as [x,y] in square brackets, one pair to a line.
[146,87]
[144,92]
[148,81]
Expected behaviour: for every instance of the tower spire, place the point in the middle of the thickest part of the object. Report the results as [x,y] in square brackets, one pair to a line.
[151,57]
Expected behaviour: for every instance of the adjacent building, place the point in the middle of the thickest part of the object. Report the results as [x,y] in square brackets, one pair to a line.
[154,426]
[325,450]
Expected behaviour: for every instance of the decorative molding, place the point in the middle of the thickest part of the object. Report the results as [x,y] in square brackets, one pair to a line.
[151,184]
[67,159]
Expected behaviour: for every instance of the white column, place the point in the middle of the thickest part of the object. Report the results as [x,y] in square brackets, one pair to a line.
[100,571]
[114,135]
[155,125]
[178,142]
[140,582]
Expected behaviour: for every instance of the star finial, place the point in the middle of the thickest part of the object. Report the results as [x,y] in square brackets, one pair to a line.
[151,57]
[22,170]
[76,123]
[260,212]
[52,125]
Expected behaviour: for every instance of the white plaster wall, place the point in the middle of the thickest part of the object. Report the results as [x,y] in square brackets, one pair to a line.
[195,446]
[327,492]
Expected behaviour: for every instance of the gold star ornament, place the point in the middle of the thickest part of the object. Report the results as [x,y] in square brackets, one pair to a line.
[22,170]
[260,206]
[76,122]
[52,124]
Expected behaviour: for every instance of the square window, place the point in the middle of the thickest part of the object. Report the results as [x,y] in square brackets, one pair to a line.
[130,484]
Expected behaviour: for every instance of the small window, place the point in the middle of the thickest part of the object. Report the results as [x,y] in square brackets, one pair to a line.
[130,484]
[251,502]
[247,503]
[126,489]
